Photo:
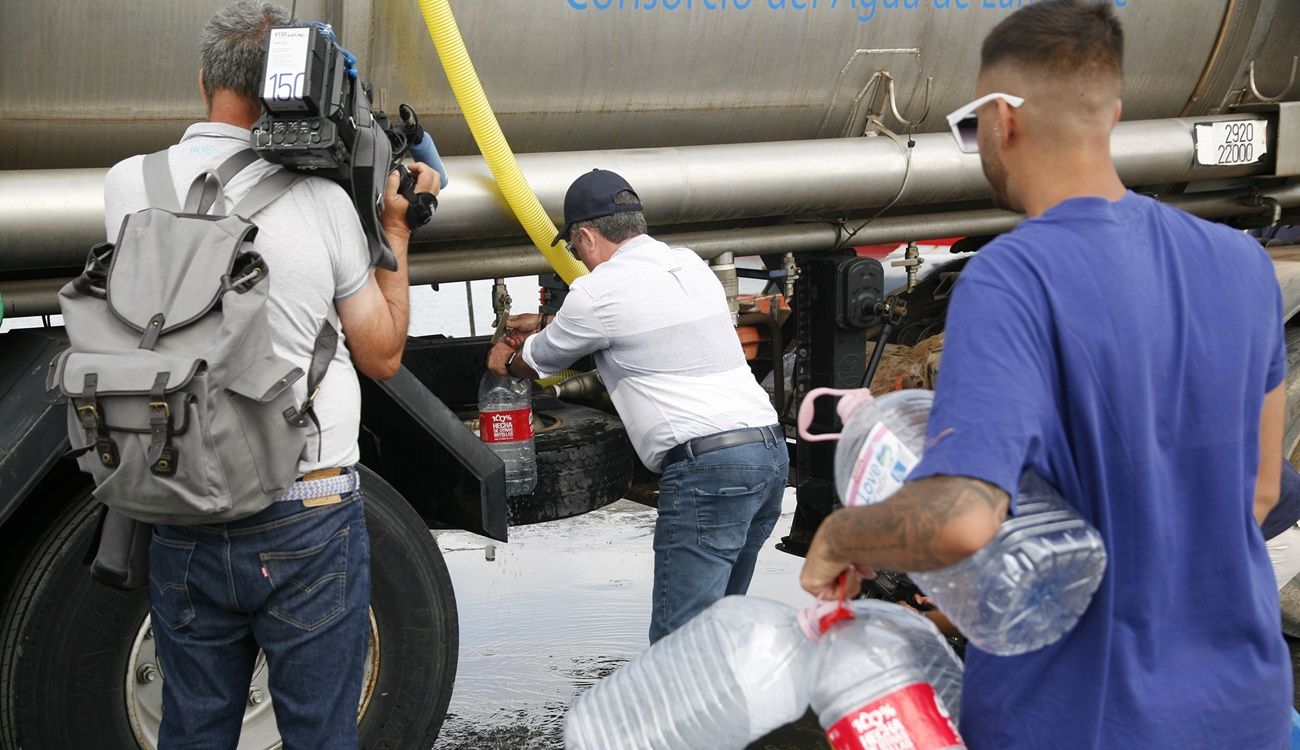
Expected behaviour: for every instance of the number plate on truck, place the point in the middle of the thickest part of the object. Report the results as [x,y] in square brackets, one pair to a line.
[1224,144]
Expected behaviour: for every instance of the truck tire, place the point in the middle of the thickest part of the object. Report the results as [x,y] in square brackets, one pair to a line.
[584,462]
[71,647]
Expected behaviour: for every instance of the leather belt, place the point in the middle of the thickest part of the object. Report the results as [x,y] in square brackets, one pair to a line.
[729,439]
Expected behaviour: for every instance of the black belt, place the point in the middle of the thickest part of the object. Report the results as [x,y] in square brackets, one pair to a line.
[729,439]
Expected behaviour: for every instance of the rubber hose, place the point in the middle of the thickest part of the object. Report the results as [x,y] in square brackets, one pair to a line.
[558,377]
[491,141]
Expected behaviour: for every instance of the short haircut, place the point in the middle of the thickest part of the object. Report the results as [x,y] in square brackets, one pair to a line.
[1069,37]
[233,46]
[619,227]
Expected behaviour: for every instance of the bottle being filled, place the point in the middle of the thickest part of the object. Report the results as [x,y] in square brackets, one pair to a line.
[505,414]
[1023,590]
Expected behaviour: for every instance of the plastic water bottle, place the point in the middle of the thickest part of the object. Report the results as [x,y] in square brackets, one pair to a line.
[1028,586]
[881,441]
[505,420]
[735,672]
[886,679]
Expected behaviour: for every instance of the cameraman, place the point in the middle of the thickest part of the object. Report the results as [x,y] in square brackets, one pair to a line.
[213,601]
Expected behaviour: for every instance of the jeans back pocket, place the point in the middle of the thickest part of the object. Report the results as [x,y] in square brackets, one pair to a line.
[169,585]
[310,584]
[723,515]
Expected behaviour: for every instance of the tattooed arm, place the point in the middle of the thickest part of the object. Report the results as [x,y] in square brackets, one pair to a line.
[928,524]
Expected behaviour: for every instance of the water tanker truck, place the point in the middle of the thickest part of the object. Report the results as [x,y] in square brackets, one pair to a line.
[771,135]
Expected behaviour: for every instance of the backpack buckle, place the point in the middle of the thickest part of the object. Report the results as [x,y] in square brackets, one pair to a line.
[160,405]
[89,414]
[161,455]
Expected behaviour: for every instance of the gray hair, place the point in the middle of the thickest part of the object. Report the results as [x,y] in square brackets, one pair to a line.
[620,227]
[232,46]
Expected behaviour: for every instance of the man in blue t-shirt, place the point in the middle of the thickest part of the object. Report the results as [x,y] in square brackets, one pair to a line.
[1132,355]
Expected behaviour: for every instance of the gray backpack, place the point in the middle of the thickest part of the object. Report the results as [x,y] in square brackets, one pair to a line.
[178,407]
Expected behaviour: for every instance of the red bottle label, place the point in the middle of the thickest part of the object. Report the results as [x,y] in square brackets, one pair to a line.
[506,426]
[909,718]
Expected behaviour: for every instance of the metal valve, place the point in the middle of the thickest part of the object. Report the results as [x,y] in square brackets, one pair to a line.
[912,261]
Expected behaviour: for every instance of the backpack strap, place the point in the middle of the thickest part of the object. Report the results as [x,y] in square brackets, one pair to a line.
[92,421]
[235,164]
[161,457]
[265,192]
[158,185]
[322,354]
[207,188]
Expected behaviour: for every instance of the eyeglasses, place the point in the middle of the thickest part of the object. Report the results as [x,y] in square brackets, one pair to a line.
[965,122]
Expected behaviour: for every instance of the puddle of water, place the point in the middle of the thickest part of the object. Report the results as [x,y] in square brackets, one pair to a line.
[562,605]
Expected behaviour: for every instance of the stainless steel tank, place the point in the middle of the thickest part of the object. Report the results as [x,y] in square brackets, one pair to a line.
[84,83]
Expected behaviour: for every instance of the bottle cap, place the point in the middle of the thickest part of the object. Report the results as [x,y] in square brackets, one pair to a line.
[821,615]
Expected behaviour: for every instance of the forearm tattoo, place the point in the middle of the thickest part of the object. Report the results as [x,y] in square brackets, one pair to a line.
[916,528]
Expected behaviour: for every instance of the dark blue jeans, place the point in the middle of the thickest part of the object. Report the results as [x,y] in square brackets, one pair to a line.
[293,581]
[715,512]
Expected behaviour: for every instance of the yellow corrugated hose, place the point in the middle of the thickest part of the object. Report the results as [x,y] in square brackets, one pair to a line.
[491,141]
[558,377]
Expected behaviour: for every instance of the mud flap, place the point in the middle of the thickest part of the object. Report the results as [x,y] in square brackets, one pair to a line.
[424,450]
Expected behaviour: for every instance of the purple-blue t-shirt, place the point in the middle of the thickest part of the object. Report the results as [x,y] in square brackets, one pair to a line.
[1123,351]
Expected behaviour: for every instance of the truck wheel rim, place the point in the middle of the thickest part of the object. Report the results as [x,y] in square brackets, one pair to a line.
[144,678]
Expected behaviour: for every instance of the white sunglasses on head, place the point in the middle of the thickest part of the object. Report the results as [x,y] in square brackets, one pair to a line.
[965,123]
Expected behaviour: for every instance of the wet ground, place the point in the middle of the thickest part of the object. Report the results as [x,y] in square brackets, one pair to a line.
[561,606]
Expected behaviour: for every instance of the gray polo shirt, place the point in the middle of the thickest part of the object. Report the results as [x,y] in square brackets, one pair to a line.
[657,321]
[316,252]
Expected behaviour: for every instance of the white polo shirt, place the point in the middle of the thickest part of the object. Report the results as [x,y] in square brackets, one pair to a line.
[316,253]
[657,321]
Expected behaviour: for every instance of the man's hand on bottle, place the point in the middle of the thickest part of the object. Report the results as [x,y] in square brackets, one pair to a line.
[498,356]
[822,567]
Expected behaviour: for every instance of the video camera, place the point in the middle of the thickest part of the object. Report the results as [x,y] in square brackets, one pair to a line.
[318,117]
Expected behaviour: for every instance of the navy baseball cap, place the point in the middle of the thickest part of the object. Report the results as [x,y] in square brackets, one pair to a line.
[592,196]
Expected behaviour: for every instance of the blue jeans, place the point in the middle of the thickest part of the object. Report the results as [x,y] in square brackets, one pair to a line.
[293,581]
[715,512]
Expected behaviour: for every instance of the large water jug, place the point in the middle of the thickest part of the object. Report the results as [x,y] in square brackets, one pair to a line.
[1027,587]
[735,672]
[886,679]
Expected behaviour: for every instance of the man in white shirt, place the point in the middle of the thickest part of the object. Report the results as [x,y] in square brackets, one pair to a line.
[657,322]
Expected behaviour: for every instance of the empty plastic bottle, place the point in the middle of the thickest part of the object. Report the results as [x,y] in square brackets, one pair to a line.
[881,442]
[1031,584]
[505,420]
[886,679]
[1028,586]
[735,672]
